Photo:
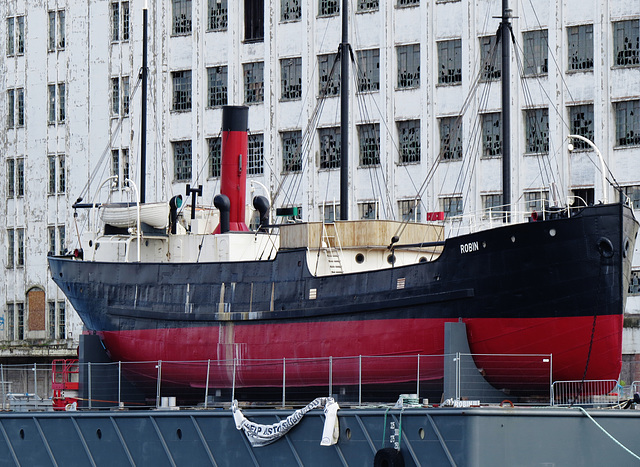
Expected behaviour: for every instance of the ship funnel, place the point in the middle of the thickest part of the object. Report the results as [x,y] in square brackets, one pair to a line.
[233,167]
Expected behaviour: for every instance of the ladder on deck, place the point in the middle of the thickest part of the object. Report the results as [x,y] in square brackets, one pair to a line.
[332,247]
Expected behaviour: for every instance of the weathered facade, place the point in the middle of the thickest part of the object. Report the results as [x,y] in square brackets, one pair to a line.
[71,110]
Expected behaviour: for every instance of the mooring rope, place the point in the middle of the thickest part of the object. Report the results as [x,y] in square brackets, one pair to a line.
[608,434]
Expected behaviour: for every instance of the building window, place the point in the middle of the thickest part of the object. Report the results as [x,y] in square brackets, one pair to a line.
[62,174]
[409,140]
[328,7]
[329,139]
[62,318]
[11,245]
[626,42]
[52,175]
[633,193]
[19,177]
[215,156]
[11,180]
[120,160]
[56,163]
[62,107]
[255,154]
[218,15]
[253,20]
[580,40]
[329,213]
[451,206]
[181,17]
[407,3]
[369,139]
[20,320]
[451,138]
[182,161]
[181,90]
[535,52]
[20,247]
[537,129]
[61,240]
[119,21]
[291,151]
[11,32]
[408,66]
[491,134]
[368,210]
[15,35]
[634,283]
[52,319]
[329,73]
[57,31]
[57,106]
[253,82]
[627,123]
[581,118]
[368,70]
[409,210]
[217,85]
[11,107]
[291,78]
[368,5]
[450,62]
[52,240]
[582,197]
[491,56]
[492,206]
[290,10]
[115,97]
[15,108]
[52,32]
[535,201]
[125,96]
[10,321]
[20,38]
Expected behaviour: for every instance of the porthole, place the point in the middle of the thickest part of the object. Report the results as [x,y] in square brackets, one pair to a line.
[421,433]
[552,232]
[422,259]
[347,432]
[359,258]
[99,433]
[21,433]
[179,433]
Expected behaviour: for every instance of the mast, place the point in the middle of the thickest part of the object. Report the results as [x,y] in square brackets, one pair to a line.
[143,119]
[505,29]
[344,114]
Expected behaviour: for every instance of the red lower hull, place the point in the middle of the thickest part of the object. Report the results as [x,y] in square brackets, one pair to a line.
[259,351]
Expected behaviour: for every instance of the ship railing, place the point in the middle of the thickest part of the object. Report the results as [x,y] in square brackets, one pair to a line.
[458,379]
[594,393]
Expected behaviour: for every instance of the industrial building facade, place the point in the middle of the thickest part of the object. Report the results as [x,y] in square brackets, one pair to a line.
[424,101]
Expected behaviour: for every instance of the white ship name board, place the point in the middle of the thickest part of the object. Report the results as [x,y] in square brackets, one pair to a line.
[469,247]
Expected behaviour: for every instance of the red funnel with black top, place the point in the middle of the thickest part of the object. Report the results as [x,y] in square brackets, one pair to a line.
[233,173]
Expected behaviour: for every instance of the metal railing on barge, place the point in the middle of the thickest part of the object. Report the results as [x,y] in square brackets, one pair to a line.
[421,379]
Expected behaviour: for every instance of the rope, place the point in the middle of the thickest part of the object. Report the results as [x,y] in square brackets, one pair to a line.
[384,427]
[609,435]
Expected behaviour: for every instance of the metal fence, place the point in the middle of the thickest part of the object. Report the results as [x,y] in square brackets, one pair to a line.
[354,381]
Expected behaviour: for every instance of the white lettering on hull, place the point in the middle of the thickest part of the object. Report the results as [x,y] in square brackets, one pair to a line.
[469,247]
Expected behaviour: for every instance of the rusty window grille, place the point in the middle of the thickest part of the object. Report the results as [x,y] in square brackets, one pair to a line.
[450,138]
[409,141]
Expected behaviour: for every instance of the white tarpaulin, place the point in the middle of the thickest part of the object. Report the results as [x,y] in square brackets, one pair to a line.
[261,435]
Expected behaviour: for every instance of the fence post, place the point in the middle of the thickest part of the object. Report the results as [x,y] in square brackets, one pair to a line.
[284,379]
[206,387]
[35,384]
[119,383]
[233,383]
[360,380]
[158,383]
[457,375]
[89,383]
[418,379]
[4,383]
[330,375]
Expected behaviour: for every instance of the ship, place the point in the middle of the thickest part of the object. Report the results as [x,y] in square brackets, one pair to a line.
[163,285]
